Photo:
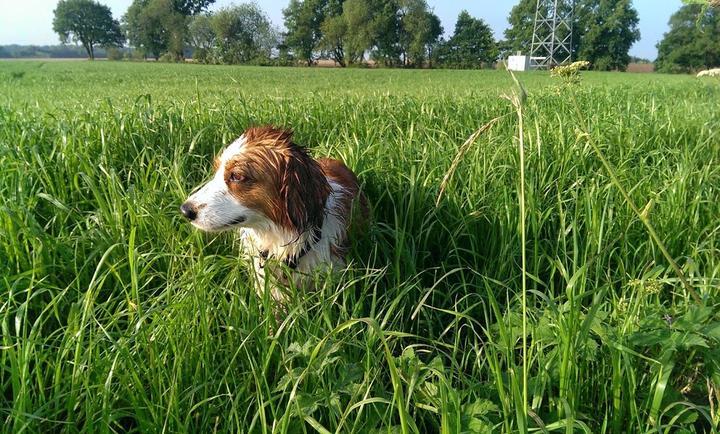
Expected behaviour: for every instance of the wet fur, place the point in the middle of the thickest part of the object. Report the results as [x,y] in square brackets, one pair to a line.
[280,199]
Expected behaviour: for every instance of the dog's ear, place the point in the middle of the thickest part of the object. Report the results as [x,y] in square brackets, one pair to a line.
[305,190]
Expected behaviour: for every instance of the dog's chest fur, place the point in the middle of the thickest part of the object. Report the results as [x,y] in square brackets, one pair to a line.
[273,248]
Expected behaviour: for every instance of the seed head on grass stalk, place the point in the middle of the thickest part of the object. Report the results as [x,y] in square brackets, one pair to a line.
[517,99]
[461,152]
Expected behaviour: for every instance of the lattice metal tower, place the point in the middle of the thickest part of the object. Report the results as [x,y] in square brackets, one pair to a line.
[552,33]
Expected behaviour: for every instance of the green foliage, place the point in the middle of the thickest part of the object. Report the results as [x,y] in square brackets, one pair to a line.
[366,26]
[191,7]
[114,54]
[233,35]
[303,21]
[693,41]
[161,26]
[243,34]
[87,22]
[705,3]
[394,33]
[471,46]
[385,28]
[118,316]
[688,343]
[607,31]
[603,31]
[154,27]
[419,31]
[360,33]
[334,30]
[518,35]
[200,32]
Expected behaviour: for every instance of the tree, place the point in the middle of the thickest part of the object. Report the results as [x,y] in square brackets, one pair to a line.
[611,28]
[174,26]
[201,36]
[243,34]
[518,36]
[395,32]
[375,26]
[334,30]
[705,3]
[354,27]
[385,28]
[435,31]
[200,32]
[471,45]
[360,34]
[191,7]
[158,26]
[303,20]
[419,29]
[146,25]
[87,22]
[693,41]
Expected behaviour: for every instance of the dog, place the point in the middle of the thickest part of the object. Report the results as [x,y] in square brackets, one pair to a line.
[293,212]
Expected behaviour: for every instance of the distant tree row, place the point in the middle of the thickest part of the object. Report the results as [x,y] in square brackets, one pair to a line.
[400,33]
[47,51]
[395,33]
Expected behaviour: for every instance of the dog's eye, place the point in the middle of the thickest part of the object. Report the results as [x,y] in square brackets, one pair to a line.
[237,177]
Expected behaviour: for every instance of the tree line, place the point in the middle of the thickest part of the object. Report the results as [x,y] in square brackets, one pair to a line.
[393,33]
[15,51]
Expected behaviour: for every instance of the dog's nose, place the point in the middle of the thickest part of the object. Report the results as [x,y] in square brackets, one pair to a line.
[188,210]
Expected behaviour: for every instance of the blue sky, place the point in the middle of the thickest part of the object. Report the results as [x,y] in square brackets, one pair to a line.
[30,21]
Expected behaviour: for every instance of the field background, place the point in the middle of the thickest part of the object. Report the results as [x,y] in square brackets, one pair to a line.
[117,316]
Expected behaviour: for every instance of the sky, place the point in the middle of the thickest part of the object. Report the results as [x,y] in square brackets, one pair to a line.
[30,21]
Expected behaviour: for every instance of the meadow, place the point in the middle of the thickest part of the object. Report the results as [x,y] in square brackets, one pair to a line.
[559,272]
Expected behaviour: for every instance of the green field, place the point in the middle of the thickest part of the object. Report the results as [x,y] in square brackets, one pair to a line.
[117,315]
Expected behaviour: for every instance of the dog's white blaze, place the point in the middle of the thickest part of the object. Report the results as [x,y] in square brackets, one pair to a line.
[216,208]
[232,150]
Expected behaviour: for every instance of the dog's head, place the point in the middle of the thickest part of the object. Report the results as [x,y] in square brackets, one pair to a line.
[262,181]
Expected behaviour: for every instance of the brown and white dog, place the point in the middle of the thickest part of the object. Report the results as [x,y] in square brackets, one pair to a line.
[287,205]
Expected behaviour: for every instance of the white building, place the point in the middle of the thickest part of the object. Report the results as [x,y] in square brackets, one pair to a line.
[518,63]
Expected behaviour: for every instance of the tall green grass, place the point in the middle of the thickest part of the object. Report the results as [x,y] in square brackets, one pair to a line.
[118,316]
